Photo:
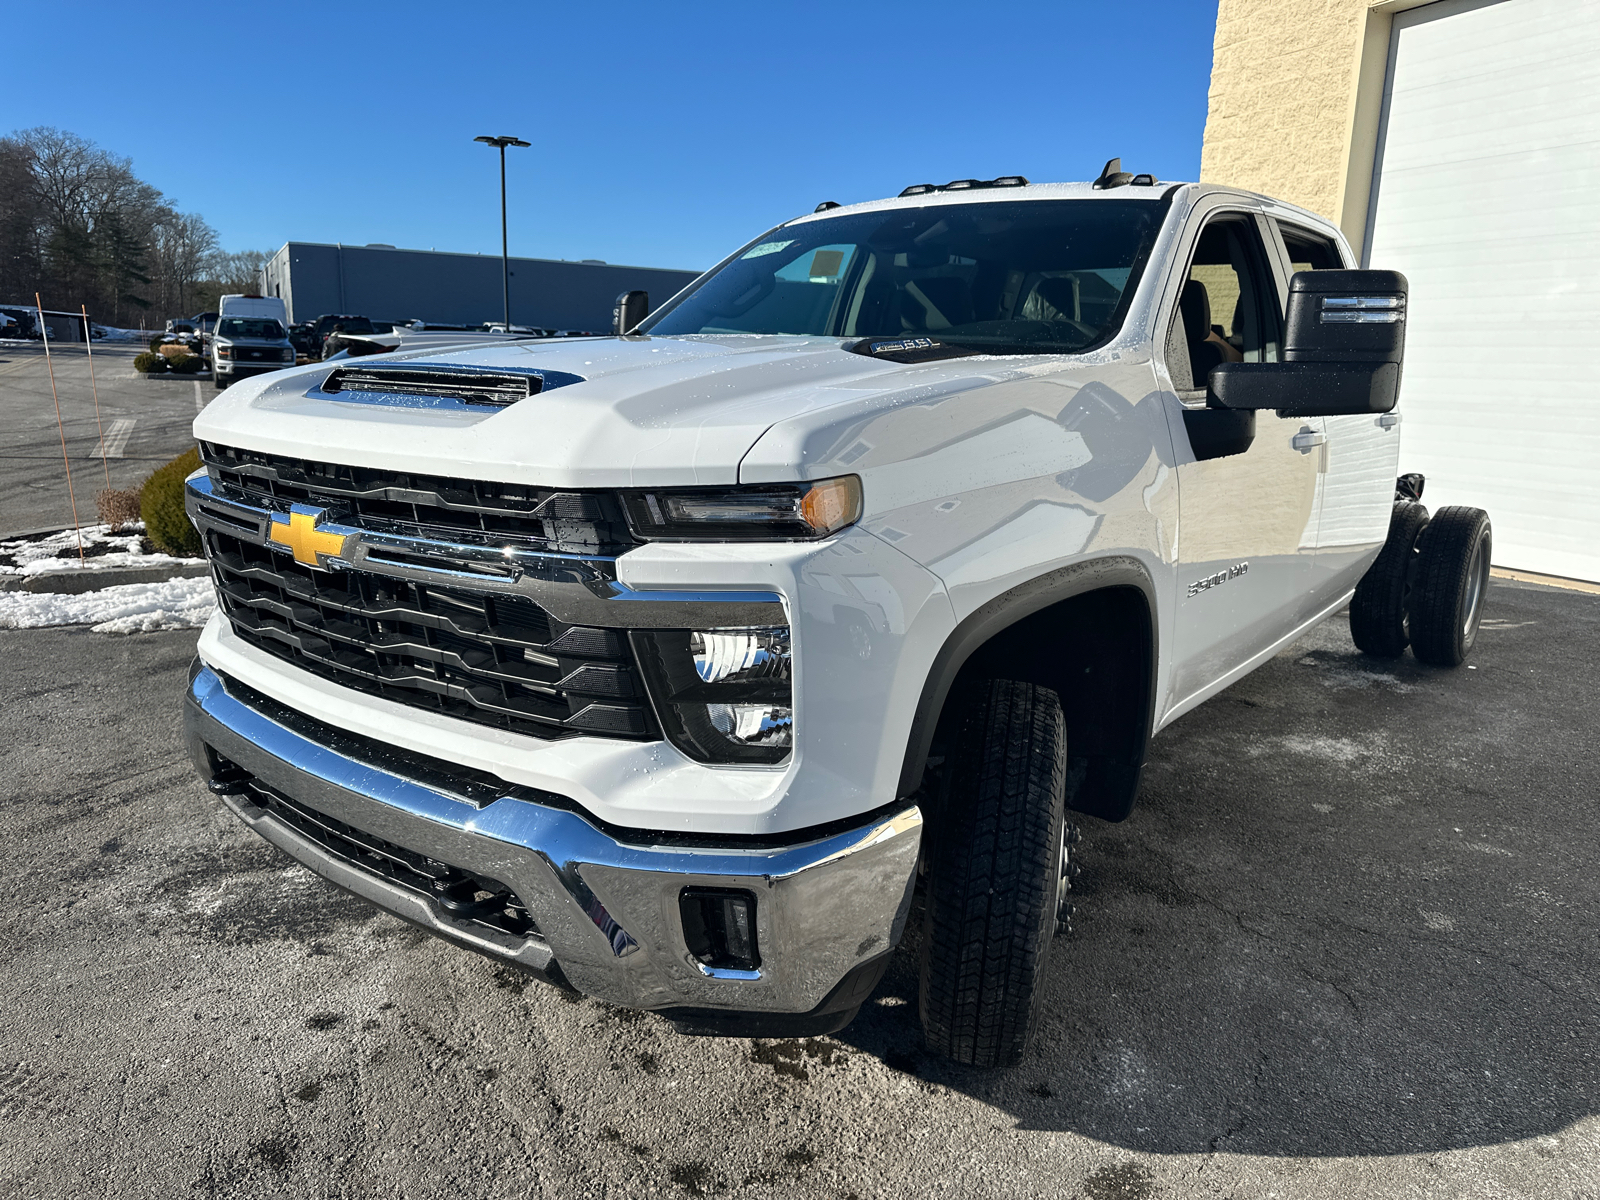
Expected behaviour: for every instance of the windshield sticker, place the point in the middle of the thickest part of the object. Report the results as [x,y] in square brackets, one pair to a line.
[766,248]
[825,263]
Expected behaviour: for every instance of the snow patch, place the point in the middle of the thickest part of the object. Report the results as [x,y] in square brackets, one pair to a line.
[102,551]
[127,608]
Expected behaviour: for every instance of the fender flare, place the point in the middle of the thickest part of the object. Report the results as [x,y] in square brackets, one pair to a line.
[1000,613]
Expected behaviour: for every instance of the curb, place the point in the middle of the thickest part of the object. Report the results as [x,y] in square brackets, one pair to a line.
[75,583]
[1555,581]
[173,374]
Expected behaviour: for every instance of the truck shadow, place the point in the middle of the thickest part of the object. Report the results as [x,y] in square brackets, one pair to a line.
[1348,916]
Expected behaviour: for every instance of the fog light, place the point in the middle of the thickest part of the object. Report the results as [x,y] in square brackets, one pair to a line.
[753,724]
[719,927]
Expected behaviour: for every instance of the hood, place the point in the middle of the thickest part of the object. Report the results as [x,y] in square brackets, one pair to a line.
[615,412]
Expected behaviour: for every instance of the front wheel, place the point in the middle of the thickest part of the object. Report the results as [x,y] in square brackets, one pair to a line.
[995,865]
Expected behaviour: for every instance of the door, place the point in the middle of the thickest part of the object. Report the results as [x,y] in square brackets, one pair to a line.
[1358,462]
[1484,194]
[1248,522]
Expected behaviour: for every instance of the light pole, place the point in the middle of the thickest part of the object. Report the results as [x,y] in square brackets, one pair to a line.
[505,258]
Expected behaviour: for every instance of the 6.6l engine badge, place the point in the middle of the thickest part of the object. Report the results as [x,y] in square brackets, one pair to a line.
[1211,581]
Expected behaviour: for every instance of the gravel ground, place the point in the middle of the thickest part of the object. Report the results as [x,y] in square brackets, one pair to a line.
[1343,948]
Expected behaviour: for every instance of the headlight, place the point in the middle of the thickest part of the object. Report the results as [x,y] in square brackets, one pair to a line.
[222,351]
[767,512]
[287,354]
[723,695]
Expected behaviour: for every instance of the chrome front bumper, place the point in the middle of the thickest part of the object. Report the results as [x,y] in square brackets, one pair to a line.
[607,908]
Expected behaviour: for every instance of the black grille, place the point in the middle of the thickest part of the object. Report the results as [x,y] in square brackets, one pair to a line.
[497,660]
[431,506]
[257,354]
[460,896]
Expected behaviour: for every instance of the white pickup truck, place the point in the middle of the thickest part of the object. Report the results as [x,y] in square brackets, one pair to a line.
[672,666]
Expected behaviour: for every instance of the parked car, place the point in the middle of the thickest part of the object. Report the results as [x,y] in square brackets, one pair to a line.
[303,336]
[245,346]
[25,319]
[352,324]
[664,666]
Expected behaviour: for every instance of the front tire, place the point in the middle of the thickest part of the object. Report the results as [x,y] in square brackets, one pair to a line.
[1452,585]
[994,867]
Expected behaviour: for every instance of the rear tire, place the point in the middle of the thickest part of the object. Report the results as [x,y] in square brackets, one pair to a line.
[1380,609]
[995,863]
[1452,585]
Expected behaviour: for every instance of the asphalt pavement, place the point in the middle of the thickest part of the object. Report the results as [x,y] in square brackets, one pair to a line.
[1344,947]
[146,422]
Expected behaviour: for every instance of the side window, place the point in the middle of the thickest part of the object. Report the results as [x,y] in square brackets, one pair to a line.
[1228,308]
[1310,251]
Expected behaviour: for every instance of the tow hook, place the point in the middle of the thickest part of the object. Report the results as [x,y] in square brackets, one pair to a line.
[231,781]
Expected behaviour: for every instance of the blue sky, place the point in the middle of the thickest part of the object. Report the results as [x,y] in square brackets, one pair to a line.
[663,135]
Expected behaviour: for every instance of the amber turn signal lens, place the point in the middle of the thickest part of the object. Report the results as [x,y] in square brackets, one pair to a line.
[832,504]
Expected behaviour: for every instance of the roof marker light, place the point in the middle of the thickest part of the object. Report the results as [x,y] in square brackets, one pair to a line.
[964,185]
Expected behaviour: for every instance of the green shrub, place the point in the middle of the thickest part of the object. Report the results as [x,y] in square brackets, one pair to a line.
[191,365]
[161,506]
[150,362]
[155,342]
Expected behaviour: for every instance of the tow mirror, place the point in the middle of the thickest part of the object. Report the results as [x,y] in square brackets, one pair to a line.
[1342,350]
[630,309]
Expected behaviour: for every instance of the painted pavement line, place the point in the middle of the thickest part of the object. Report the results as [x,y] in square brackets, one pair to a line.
[115,442]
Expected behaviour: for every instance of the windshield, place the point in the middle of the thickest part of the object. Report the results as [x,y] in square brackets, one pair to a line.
[1022,276]
[250,327]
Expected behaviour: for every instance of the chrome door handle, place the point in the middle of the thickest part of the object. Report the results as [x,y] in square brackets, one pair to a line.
[1388,420]
[1307,440]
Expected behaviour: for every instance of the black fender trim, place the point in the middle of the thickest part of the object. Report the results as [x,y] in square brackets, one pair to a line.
[1005,611]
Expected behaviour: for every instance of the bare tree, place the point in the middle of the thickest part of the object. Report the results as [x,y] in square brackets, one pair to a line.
[183,245]
[230,272]
[79,227]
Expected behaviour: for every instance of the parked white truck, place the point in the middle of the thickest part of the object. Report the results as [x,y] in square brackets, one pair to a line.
[663,665]
[251,337]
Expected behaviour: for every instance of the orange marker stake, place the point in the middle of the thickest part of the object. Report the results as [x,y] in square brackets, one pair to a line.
[44,332]
[88,347]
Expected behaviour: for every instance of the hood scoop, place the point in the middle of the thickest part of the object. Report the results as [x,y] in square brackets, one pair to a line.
[415,386]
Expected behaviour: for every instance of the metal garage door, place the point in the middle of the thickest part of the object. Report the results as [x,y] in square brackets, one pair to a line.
[1486,193]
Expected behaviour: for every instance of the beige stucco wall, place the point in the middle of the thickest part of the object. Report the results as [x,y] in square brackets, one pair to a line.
[1282,77]
[1296,93]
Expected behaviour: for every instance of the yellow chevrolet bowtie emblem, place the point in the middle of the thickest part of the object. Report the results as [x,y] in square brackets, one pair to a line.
[300,532]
